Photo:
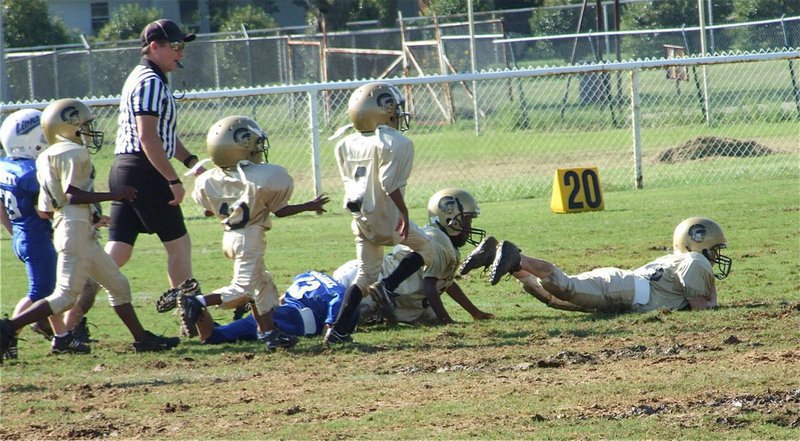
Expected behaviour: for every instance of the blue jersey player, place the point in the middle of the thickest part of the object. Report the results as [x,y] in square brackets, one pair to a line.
[23,140]
[308,307]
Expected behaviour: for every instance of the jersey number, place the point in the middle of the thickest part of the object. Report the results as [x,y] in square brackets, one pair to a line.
[303,285]
[10,202]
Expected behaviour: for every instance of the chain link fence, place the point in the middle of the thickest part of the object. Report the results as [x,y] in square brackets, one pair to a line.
[503,134]
[419,47]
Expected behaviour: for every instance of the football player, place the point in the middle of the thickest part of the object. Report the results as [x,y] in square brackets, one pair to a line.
[22,136]
[374,164]
[66,176]
[242,191]
[307,307]
[684,279]
[451,212]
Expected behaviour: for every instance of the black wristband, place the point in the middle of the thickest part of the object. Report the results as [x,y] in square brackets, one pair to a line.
[174,181]
[188,160]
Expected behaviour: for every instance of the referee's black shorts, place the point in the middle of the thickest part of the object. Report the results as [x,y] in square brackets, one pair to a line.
[150,212]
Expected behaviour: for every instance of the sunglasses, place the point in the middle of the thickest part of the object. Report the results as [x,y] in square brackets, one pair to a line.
[177,45]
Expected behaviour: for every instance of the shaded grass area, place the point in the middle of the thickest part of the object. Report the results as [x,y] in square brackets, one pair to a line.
[530,373]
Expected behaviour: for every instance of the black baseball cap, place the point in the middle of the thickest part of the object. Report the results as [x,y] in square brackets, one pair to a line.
[164,30]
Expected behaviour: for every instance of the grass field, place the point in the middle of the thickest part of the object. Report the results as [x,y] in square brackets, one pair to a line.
[531,373]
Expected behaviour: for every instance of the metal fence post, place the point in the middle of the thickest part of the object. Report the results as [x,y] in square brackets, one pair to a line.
[30,79]
[473,64]
[90,64]
[216,64]
[313,125]
[56,77]
[3,78]
[249,56]
[795,92]
[636,123]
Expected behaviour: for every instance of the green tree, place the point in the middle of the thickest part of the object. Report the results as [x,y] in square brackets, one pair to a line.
[385,11]
[671,14]
[338,12]
[127,22]
[561,21]
[452,7]
[28,23]
[252,17]
[749,10]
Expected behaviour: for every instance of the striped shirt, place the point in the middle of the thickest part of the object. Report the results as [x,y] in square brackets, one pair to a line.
[146,92]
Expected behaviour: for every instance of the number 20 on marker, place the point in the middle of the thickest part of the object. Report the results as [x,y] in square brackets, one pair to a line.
[576,190]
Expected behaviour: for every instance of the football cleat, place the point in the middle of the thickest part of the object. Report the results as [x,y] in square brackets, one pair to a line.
[481,257]
[332,337]
[190,287]
[7,335]
[69,344]
[385,300]
[190,309]
[81,331]
[506,261]
[240,311]
[276,339]
[12,353]
[155,343]
[168,300]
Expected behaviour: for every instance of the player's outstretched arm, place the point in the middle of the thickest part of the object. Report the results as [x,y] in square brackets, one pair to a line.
[317,205]
[456,293]
[76,196]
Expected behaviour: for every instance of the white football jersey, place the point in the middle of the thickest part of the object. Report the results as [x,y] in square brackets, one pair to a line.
[674,278]
[62,165]
[411,301]
[244,196]
[371,167]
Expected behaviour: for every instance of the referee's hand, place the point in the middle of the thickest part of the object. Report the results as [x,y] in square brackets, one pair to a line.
[178,192]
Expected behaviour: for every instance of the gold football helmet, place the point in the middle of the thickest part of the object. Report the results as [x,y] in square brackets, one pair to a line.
[236,138]
[703,235]
[71,120]
[22,135]
[453,210]
[375,104]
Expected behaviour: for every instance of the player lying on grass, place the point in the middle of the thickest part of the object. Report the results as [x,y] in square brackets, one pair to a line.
[307,307]
[684,279]
[312,302]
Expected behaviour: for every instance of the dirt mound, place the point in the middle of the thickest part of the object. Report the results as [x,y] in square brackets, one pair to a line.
[706,146]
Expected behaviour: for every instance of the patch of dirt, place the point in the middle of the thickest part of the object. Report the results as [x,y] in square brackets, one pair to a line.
[729,409]
[174,407]
[706,146]
[93,432]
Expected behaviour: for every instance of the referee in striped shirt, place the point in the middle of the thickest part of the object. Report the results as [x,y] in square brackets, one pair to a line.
[146,141]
